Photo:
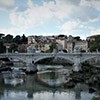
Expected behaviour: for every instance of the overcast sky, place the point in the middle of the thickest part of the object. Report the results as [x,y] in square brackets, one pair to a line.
[50,17]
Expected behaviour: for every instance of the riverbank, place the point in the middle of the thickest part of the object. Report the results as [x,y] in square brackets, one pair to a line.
[89,75]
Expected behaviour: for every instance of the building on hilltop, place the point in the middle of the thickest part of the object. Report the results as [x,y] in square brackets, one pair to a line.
[31,48]
[31,40]
[61,42]
[72,44]
[81,46]
[69,46]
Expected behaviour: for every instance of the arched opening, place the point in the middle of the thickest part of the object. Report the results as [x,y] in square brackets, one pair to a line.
[54,60]
[45,60]
[94,60]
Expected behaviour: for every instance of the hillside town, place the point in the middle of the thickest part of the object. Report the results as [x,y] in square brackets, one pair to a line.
[36,44]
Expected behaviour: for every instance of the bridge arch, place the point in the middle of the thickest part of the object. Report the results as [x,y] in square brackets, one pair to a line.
[69,59]
[36,60]
[20,58]
[88,58]
[17,58]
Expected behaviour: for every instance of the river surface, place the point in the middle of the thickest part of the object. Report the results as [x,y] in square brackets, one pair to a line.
[47,84]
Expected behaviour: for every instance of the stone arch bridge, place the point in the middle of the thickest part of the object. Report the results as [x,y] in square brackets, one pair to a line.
[75,58]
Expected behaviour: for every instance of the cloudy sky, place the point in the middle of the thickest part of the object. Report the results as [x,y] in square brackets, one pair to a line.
[50,17]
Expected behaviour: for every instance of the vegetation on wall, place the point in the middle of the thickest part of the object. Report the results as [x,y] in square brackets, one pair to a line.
[94,43]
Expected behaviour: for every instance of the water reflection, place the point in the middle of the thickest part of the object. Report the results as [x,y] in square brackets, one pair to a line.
[52,77]
[32,89]
[14,77]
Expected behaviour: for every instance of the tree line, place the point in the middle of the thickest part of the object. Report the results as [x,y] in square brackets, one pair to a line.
[13,41]
[94,43]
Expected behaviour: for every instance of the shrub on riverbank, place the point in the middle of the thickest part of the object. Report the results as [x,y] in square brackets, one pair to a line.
[96,98]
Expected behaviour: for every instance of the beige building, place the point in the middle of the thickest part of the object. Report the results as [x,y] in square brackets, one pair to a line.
[46,47]
[69,46]
[31,48]
[76,46]
[62,42]
[43,47]
[40,47]
[81,46]
[65,44]
[31,40]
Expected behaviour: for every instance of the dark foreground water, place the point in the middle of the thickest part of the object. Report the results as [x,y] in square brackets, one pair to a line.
[45,85]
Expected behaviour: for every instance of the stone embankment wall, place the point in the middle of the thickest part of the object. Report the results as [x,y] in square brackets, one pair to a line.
[95,61]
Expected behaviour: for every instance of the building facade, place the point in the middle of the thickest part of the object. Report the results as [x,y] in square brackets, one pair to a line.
[81,46]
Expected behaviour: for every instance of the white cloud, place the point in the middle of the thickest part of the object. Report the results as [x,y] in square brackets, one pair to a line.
[77,28]
[18,20]
[84,13]
[77,12]
[33,16]
[30,3]
[13,31]
[68,2]
[96,4]
[92,3]
[71,28]
[7,4]
[63,8]
[93,20]
[85,3]
[95,32]
[70,25]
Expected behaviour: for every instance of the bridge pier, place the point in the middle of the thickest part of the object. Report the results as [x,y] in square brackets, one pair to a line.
[77,67]
[31,68]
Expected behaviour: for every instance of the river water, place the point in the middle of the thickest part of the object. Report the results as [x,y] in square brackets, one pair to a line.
[47,84]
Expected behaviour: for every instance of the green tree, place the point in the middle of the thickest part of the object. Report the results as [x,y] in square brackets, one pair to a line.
[94,44]
[13,47]
[8,38]
[53,46]
[2,47]
[96,98]
[17,39]
[24,39]
[1,36]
